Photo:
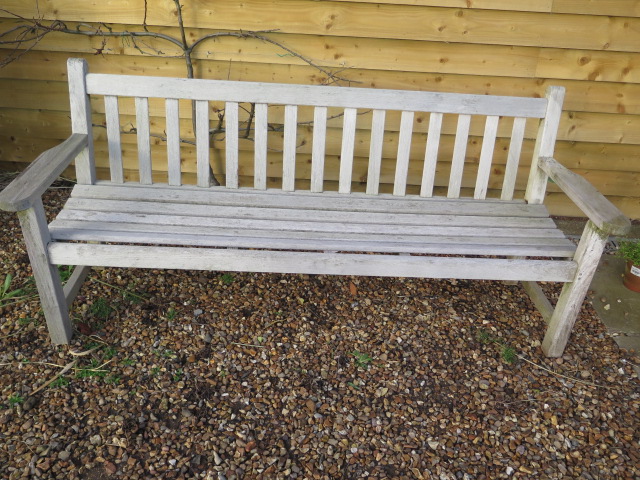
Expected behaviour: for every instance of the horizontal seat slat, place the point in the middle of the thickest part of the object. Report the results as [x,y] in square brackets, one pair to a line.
[311,226]
[315,95]
[133,256]
[73,230]
[354,202]
[306,214]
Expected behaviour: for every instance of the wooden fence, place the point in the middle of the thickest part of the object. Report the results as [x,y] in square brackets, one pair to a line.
[470,46]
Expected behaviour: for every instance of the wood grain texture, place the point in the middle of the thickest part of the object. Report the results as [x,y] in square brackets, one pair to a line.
[27,188]
[369,20]
[45,272]
[308,262]
[596,207]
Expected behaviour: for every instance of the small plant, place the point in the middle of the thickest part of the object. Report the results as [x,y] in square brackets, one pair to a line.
[128,362]
[483,336]
[65,272]
[178,374]
[17,294]
[363,360]
[112,380]
[109,353]
[15,400]
[26,321]
[59,382]
[101,309]
[508,354]
[92,370]
[155,371]
[630,251]
[171,314]
[227,278]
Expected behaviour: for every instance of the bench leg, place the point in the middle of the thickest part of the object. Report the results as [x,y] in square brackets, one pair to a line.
[573,293]
[52,298]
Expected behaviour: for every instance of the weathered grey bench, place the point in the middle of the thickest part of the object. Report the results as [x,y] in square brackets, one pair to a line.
[147,224]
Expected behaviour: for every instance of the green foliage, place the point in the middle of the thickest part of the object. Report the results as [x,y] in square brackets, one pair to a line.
[128,362]
[59,382]
[101,309]
[112,380]
[177,375]
[65,272]
[171,314]
[92,370]
[227,278]
[508,354]
[15,400]
[363,360]
[630,250]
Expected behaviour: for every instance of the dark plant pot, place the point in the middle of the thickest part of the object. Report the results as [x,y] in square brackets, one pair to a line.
[632,277]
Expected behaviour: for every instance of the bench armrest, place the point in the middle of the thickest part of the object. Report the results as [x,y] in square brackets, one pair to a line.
[40,174]
[604,214]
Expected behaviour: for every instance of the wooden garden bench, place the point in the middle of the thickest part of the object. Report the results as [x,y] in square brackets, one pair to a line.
[299,227]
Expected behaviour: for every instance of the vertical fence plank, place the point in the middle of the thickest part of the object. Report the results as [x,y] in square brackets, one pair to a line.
[173,141]
[346,154]
[113,138]
[260,146]
[319,142]
[375,152]
[144,143]
[459,152]
[486,155]
[231,144]
[289,153]
[431,155]
[513,158]
[202,142]
[404,150]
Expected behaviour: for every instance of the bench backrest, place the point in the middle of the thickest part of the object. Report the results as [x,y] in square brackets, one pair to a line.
[249,113]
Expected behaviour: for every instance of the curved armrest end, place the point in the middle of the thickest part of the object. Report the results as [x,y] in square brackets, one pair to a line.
[604,214]
[40,174]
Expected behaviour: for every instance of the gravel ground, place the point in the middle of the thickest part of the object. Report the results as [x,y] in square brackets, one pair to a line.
[227,376]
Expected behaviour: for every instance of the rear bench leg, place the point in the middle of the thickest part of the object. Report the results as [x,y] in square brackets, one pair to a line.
[52,298]
[573,293]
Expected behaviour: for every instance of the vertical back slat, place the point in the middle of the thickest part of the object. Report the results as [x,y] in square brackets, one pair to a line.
[459,151]
[404,150]
[545,145]
[486,155]
[260,146]
[375,151]
[431,155]
[144,143]
[319,142]
[113,138]
[231,144]
[202,142]
[289,151]
[81,118]
[513,158]
[346,154]
[173,141]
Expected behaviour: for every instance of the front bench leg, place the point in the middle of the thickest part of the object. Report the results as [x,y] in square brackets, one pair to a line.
[587,257]
[52,297]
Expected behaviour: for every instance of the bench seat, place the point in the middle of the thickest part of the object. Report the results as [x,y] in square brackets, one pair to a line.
[301,221]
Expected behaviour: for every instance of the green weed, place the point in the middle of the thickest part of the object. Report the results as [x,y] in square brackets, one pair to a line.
[363,360]
[128,362]
[171,314]
[15,400]
[101,309]
[227,278]
[178,375]
[59,382]
[92,370]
